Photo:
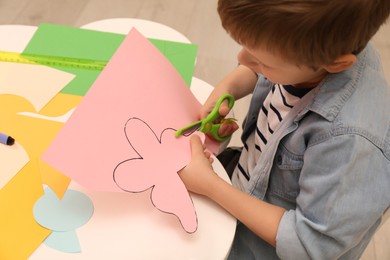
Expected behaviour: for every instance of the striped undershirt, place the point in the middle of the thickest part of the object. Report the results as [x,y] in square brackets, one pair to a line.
[276,106]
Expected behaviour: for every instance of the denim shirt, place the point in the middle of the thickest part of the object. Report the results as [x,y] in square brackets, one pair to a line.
[328,165]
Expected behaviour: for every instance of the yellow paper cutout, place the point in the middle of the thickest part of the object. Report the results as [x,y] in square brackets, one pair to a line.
[38,84]
[20,234]
[36,134]
[60,104]
[12,159]
[53,178]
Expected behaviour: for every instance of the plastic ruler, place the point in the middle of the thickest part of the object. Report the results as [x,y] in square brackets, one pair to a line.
[52,61]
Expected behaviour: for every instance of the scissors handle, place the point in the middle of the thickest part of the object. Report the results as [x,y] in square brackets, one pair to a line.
[208,125]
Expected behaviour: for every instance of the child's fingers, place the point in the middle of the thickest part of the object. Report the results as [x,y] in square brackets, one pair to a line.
[227,129]
[208,156]
[224,108]
[197,148]
[196,144]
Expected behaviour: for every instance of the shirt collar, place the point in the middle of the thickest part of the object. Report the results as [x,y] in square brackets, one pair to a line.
[336,89]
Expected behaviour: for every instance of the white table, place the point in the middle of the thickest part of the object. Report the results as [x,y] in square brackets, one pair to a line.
[128,226]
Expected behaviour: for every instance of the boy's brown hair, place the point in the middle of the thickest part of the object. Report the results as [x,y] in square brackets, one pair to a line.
[305,32]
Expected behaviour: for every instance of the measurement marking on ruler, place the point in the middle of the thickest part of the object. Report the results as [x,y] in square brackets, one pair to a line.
[53,61]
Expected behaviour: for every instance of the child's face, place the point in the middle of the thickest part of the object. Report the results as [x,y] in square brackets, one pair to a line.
[277,70]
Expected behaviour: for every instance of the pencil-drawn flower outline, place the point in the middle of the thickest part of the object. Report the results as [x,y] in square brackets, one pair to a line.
[168,192]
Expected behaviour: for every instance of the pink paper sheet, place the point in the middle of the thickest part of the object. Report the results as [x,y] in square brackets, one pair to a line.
[91,148]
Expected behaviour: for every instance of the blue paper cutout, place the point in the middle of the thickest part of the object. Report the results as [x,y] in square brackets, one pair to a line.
[65,241]
[63,217]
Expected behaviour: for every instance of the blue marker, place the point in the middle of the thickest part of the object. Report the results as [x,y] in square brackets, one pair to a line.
[6,139]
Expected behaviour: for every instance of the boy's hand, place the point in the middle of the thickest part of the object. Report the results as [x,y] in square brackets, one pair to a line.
[228,127]
[198,174]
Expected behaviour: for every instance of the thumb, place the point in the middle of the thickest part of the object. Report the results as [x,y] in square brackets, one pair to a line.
[224,108]
[196,144]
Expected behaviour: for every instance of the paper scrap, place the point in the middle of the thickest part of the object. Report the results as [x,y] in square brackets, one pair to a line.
[12,159]
[70,212]
[64,241]
[63,216]
[72,42]
[38,84]
[34,135]
[20,234]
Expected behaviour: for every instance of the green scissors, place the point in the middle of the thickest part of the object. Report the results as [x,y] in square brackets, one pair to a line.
[207,125]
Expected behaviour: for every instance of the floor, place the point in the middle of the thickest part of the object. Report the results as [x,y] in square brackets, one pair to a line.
[199,22]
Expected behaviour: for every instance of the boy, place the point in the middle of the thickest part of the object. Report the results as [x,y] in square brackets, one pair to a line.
[313,177]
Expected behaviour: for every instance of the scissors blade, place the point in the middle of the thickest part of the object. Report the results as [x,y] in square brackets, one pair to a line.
[191,129]
[207,124]
[188,130]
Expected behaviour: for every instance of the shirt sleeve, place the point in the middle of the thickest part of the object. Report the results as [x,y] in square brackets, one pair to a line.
[343,194]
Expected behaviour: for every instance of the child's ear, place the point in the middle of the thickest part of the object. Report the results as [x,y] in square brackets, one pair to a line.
[341,63]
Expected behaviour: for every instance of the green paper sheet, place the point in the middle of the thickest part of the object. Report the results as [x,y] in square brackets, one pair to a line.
[65,41]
